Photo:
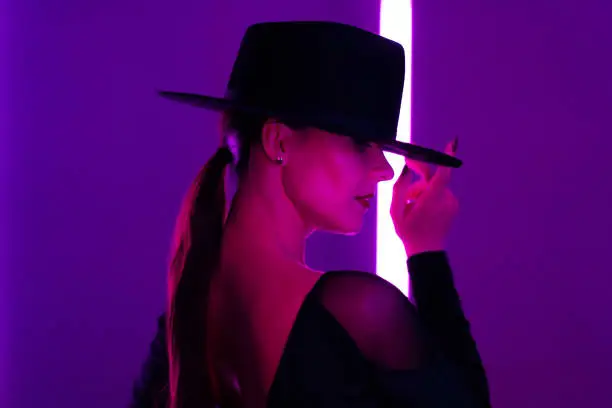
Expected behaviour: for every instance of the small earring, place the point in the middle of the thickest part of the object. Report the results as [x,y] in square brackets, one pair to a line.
[279,159]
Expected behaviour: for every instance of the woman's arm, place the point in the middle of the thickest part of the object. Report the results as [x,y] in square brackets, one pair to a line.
[440,311]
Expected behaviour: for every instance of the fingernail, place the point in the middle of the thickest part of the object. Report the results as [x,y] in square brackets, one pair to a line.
[455,144]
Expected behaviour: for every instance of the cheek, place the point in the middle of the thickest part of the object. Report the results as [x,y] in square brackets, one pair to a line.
[323,188]
[329,177]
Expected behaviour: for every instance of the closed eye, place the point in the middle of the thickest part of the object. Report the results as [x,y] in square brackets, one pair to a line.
[364,145]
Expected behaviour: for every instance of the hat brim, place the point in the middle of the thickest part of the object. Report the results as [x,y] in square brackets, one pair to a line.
[199,101]
[422,154]
[409,150]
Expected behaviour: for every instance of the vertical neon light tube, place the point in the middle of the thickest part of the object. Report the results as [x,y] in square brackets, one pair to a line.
[395,24]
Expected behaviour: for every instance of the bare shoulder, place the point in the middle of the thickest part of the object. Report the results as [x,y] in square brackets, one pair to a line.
[377,315]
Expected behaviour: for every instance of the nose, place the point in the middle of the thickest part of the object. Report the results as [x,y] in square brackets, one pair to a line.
[384,171]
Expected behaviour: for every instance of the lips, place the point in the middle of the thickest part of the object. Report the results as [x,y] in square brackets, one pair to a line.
[365,200]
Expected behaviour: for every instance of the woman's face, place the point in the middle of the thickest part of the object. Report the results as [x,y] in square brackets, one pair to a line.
[331,179]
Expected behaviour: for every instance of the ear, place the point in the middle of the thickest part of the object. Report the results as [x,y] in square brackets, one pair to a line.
[273,137]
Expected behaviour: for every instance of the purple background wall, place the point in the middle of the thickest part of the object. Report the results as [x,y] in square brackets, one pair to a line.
[4,198]
[527,85]
[99,165]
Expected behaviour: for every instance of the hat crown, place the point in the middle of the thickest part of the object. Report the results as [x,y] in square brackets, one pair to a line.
[330,75]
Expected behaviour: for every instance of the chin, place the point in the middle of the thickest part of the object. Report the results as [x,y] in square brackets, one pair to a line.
[342,221]
[345,226]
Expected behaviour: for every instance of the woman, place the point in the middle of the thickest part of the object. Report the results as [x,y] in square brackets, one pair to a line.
[309,110]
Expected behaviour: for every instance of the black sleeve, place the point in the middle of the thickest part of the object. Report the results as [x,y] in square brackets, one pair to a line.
[405,363]
[440,311]
[151,389]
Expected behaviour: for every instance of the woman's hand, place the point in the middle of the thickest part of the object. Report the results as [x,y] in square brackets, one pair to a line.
[423,210]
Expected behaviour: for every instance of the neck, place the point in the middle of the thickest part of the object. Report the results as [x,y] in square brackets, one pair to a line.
[266,223]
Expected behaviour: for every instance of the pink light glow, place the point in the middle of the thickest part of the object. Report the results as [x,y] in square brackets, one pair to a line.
[395,24]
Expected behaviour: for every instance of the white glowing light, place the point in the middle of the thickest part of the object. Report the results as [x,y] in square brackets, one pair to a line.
[395,24]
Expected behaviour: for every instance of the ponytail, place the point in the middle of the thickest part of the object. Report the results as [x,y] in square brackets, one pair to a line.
[196,256]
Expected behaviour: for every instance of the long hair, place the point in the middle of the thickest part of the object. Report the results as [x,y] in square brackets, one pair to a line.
[195,258]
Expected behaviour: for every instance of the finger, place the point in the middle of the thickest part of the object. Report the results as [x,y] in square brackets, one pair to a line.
[400,189]
[423,170]
[415,190]
[442,175]
[414,198]
[414,195]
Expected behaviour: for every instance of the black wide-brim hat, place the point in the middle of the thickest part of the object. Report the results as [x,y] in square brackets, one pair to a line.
[330,76]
